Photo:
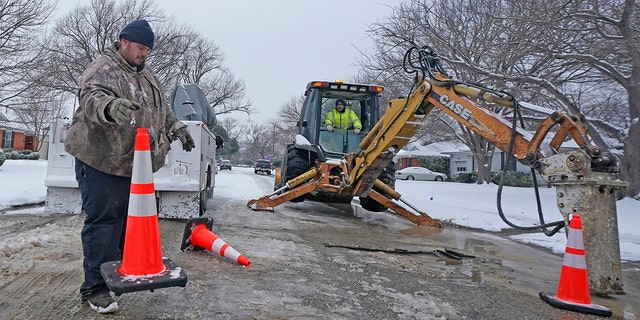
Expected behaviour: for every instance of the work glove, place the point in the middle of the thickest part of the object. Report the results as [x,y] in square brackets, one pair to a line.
[329,128]
[120,110]
[356,131]
[186,139]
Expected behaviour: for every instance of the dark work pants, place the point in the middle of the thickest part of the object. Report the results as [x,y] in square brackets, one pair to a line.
[105,200]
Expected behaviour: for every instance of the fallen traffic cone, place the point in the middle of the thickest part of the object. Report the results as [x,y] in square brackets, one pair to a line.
[198,236]
[142,266]
[573,288]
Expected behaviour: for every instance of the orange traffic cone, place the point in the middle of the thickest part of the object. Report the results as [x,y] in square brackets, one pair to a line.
[142,266]
[573,288]
[198,235]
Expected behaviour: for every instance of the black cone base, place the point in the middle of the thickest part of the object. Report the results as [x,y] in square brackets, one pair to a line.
[188,228]
[172,276]
[574,306]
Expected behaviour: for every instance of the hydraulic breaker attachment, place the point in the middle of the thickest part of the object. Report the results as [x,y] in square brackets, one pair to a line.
[592,195]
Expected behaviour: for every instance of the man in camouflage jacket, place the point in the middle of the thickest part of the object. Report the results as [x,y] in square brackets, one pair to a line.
[117,95]
[96,139]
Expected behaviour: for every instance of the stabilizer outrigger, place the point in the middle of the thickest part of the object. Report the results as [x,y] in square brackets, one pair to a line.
[314,179]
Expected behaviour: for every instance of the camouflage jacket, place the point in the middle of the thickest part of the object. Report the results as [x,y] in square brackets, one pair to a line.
[104,144]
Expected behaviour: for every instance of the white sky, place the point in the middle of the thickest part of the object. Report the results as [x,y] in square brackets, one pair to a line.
[278,46]
[22,182]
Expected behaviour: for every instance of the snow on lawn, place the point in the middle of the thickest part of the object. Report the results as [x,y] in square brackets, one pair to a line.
[470,205]
[474,206]
[22,182]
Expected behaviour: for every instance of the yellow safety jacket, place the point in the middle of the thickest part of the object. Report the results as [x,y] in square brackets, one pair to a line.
[342,120]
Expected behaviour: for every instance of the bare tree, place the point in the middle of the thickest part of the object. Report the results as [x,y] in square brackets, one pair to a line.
[226,94]
[256,138]
[418,23]
[605,39]
[432,131]
[20,23]
[566,56]
[232,127]
[288,114]
[282,128]
[230,131]
[36,110]
[204,57]
[180,55]
[82,34]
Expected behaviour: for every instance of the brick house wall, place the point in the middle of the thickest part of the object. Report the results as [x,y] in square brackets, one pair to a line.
[407,162]
[31,143]
[19,140]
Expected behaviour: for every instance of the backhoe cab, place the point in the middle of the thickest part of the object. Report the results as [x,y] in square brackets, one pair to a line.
[315,143]
[321,98]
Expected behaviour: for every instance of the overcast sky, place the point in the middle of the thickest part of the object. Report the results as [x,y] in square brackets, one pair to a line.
[277,46]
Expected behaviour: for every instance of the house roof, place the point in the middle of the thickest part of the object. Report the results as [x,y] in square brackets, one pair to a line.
[566,145]
[433,149]
[6,124]
[10,128]
[446,148]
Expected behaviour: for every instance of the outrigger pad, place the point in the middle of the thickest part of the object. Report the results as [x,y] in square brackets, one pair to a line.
[172,276]
[574,306]
[188,228]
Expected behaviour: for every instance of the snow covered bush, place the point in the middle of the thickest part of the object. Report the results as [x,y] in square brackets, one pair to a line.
[22,155]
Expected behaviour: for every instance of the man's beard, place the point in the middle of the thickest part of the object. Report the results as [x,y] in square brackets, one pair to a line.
[138,66]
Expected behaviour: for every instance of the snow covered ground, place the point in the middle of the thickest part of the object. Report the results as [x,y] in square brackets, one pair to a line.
[471,205]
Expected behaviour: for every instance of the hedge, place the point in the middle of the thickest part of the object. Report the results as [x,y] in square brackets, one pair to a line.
[511,178]
[19,155]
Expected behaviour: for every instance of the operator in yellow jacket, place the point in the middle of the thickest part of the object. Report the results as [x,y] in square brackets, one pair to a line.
[342,118]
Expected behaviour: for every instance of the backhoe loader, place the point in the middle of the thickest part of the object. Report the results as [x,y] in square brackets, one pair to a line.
[337,166]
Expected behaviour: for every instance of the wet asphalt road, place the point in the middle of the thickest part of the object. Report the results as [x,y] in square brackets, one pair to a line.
[306,263]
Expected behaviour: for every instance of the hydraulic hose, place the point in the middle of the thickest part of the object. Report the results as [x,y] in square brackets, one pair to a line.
[543,226]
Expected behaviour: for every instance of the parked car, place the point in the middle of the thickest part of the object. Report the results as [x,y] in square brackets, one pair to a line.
[225,164]
[420,173]
[262,166]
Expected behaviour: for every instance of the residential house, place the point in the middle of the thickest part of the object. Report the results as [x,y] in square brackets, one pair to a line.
[461,159]
[16,138]
[411,154]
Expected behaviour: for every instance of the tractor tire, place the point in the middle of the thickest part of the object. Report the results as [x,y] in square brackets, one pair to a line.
[297,164]
[388,176]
